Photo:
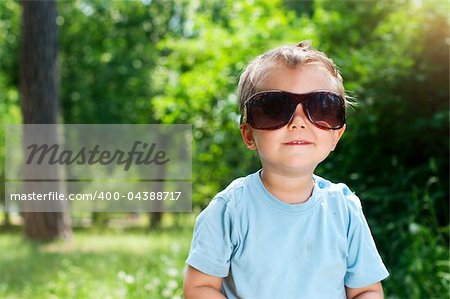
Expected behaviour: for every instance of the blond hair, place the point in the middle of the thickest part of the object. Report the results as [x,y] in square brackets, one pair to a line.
[255,74]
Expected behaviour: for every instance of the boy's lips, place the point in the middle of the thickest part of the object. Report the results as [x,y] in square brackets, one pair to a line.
[298,142]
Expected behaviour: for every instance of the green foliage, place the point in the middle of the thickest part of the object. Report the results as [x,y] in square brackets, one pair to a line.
[107,55]
[9,96]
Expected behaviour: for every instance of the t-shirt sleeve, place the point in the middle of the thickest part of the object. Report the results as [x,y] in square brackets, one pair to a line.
[364,264]
[212,246]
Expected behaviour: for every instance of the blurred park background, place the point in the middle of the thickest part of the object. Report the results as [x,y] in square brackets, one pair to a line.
[170,61]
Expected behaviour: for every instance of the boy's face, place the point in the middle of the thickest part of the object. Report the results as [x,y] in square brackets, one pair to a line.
[300,146]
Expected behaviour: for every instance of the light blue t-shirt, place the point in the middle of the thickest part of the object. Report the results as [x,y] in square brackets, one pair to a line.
[266,248]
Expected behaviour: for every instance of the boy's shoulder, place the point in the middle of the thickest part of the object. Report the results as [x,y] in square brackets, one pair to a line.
[236,186]
[338,193]
[226,201]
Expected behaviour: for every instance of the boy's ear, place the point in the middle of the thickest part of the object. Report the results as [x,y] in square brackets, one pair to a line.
[247,136]
[337,136]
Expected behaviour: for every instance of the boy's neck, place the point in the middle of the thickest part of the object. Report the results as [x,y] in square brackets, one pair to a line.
[289,189]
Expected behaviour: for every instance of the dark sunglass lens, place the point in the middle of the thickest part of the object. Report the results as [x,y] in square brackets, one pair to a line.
[326,110]
[270,110]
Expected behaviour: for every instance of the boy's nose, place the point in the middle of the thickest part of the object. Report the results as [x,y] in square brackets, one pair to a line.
[299,119]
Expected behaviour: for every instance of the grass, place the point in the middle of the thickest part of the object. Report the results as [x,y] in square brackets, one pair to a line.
[102,264]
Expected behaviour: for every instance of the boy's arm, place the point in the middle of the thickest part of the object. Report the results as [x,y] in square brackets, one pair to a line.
[373,291]
[199,285]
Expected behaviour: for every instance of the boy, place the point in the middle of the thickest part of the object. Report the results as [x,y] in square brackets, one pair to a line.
[284,232]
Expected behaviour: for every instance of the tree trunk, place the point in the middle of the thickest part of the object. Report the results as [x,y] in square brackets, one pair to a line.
[39,83]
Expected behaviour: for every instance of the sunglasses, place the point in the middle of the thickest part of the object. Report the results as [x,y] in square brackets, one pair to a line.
[271,110]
